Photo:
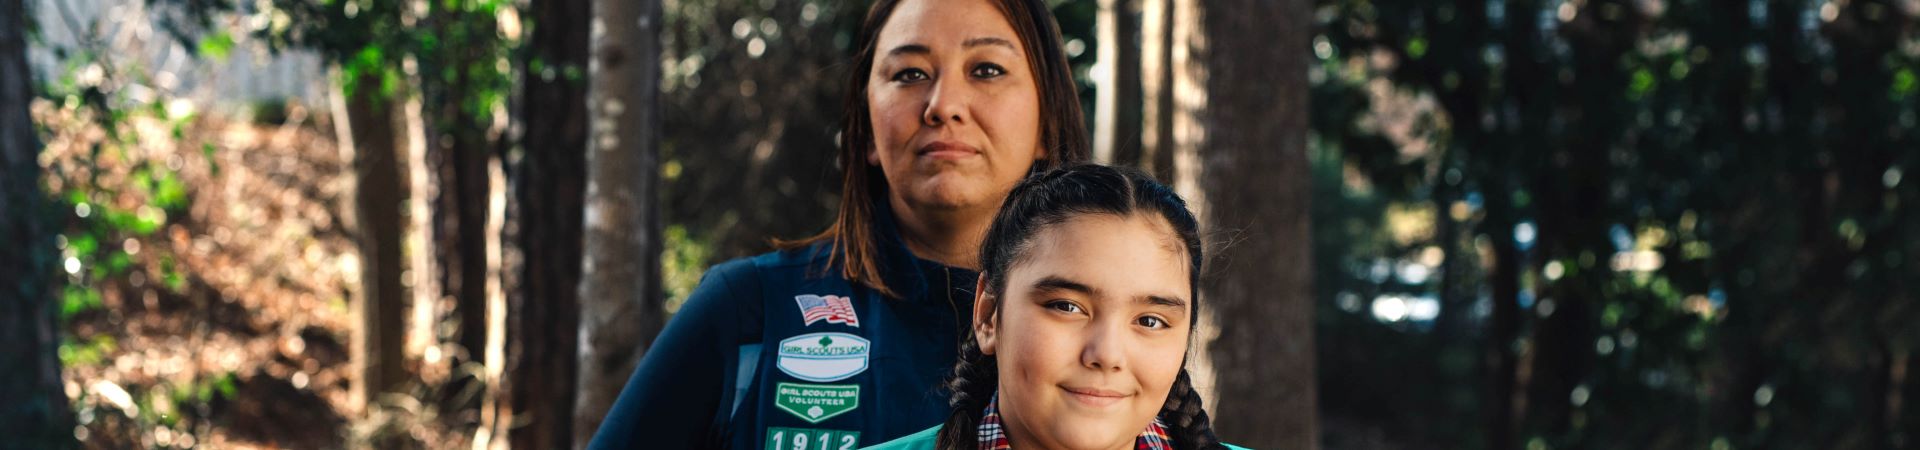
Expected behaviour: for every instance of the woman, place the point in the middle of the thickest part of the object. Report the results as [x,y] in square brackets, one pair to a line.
[1085,310]
[842,340]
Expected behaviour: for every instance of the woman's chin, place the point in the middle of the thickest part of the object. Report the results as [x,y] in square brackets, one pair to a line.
[947,196]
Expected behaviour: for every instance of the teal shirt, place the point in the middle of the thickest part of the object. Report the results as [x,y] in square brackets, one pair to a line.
[925,438]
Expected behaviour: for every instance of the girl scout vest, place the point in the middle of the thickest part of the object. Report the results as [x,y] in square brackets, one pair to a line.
[838,366]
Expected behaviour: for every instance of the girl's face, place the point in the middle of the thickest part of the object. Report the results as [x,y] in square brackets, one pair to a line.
[954,107]
[1091,332]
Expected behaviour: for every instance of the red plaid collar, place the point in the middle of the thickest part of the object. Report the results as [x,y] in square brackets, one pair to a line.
[993,436]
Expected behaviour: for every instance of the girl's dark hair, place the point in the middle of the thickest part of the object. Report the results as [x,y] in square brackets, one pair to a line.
[1063,135]
[1049,199]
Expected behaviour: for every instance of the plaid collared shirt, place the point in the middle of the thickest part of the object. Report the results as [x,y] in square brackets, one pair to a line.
[993,436]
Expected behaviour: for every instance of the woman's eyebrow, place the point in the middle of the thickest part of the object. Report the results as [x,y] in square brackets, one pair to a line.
[988,40]
[922,49]
[909,49]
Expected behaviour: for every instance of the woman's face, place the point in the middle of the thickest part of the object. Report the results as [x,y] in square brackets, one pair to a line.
[1092,331]
[954,107]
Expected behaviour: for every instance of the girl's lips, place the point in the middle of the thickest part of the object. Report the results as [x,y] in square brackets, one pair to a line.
[1094,396]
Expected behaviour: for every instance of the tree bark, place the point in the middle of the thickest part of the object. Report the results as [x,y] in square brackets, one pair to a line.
[1240,134]
[1503,328]
[369,134]
[458,150]
[1116,112]
[549,185]
[33,405]
[620,283]
[1156,89]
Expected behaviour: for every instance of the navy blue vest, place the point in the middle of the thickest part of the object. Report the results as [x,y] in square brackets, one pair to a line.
[780,352]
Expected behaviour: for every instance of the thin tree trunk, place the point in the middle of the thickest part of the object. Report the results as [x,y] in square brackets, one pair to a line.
[1156,89]
[1502,363]
[1116,113]
[620,282]
[1240,130]
[458,151]
[33,406]
[369,134]
[549,186]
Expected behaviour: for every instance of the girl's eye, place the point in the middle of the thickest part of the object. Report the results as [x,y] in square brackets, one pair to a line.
[909,76]
[1063,306]
[988,70]
[1153,322]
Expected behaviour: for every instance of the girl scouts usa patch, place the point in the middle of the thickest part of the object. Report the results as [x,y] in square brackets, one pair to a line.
[821,357]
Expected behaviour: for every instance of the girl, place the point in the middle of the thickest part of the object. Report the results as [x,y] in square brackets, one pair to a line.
[842,340]
[1085,308]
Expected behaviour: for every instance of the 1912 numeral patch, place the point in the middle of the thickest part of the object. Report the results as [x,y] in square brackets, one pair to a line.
[811,439]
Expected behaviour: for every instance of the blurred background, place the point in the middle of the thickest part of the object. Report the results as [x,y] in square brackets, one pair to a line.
[1494,224]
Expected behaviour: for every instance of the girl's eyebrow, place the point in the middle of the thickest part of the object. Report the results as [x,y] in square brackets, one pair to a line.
[1059,283]
[1157,300]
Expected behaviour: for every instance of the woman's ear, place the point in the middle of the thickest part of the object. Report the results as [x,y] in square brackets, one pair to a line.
[984,307]
[873,156]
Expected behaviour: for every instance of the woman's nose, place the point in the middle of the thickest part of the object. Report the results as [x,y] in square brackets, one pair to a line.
[948,104]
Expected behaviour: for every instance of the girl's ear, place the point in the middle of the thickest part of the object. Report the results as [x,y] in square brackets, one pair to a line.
[984,306]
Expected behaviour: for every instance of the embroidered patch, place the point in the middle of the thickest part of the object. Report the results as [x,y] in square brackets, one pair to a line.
[823,356]
[831,308]
[816,402]
[811,439]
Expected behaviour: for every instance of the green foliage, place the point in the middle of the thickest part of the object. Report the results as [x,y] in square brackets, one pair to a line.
[104,209]
[111,196]
[217,46]
[682,264]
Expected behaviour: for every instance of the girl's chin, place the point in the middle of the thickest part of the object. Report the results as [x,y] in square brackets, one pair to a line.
[1094,436]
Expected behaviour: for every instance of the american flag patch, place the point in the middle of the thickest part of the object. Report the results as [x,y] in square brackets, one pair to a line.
[832,308]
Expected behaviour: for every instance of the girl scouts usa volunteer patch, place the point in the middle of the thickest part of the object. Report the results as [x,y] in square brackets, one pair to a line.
[816,402]
[821,357]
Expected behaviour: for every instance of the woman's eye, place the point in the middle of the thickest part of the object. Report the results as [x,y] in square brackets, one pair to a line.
[1153,322]
[909,76]
[988,71]
[1064,306]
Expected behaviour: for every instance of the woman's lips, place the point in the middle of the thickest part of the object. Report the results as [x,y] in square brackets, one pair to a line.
[1094,397]
[947,150]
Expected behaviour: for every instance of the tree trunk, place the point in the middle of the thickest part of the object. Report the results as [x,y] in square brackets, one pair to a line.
[1503,327]
[1241,159]
[1116,112]
[549,184]
[370,135]
[33,405]
[620,292]
[458,150]
[1156,89]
